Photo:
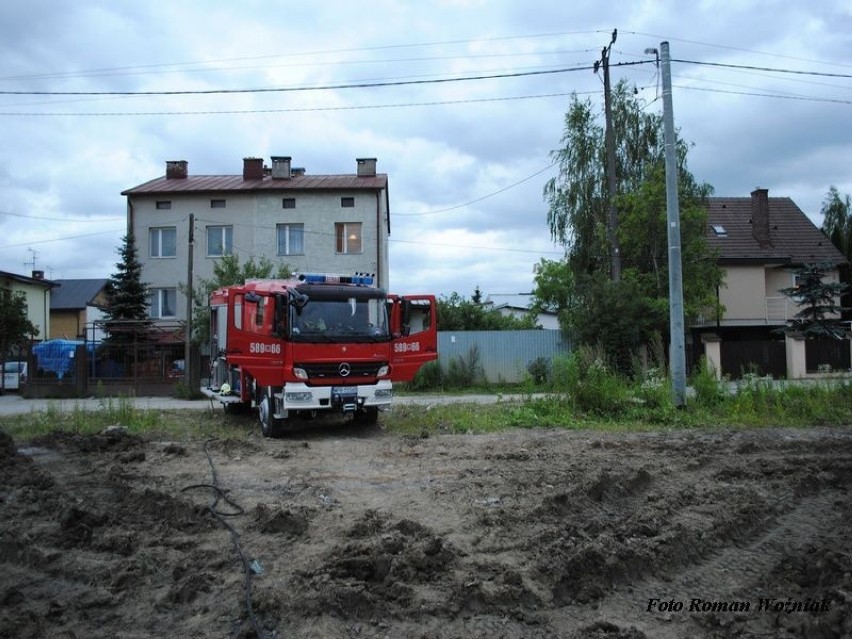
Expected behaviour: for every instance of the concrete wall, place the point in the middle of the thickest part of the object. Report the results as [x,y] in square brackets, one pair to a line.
[504,355]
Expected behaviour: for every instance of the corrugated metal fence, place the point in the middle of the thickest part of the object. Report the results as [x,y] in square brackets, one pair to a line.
[504,355]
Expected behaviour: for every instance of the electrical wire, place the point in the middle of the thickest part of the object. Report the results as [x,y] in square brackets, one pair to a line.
[756,68]
[62,219]
[479,199]
[327,87]
[165,65]
[220,516]
[296,109]
[58,239]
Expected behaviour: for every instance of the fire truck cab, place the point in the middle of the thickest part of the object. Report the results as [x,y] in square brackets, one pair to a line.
[315,342]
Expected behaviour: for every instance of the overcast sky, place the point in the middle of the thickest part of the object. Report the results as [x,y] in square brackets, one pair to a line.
[466,160]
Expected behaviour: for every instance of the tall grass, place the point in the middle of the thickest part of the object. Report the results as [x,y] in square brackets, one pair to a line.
[583,393]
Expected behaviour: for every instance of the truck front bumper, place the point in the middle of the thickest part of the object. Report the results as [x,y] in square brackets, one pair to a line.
[299,396]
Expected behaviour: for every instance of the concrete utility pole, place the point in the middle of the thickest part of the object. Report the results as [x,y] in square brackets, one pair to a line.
[677,355]
[609,141]
[187,348]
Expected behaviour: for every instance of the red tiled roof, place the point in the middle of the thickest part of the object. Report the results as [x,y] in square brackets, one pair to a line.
[223,183]
[794,239]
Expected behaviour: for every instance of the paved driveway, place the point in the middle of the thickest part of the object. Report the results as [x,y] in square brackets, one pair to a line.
[14,404]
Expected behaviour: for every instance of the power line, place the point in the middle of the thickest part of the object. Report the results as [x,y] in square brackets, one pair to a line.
[93,72]
[479,199]
[61,219]
[744,50]
[770,69]
[361,85]
[357,85]
[766,95]
[58,239]
[293,109]
[477,248]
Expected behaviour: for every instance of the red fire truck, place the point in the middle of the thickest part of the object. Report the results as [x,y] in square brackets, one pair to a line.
[315,342]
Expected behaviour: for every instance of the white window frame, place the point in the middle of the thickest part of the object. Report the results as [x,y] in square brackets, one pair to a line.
[157,297]
[287,229]
[226,239]
[342,240]
[157,232]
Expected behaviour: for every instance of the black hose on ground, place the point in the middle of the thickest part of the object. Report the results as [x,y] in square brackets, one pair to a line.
[236,509]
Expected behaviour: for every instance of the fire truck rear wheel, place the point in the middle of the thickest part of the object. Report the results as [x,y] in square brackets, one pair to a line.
[270,426]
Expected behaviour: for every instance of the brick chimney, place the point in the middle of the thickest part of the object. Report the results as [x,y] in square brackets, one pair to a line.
[176,169]
[760,216]
[281,167]
[366,167]
[252,168]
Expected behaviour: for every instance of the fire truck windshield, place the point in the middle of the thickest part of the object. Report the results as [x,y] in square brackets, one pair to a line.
[340,319]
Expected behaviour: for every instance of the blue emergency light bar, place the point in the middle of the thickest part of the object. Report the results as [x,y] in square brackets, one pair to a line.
[364,279]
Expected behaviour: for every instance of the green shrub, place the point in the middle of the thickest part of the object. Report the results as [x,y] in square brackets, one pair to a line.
[427,378]
[709,391]
[654,390]
[466,371]
[591,383]
[540,371]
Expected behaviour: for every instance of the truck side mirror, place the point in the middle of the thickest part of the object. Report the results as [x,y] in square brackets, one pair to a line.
[297,299]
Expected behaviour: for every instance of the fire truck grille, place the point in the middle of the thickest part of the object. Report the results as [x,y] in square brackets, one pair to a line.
[356,371]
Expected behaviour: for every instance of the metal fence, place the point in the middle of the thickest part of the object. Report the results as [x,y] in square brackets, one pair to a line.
[144,358]
[504,355]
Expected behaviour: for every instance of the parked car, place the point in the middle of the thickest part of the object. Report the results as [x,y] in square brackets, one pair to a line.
[14,375]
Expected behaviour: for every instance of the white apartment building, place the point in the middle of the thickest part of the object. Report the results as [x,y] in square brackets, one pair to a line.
[312,223]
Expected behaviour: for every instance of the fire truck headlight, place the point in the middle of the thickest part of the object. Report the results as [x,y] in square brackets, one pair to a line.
[383,371]
[298,397]
[384,392]
[300,373]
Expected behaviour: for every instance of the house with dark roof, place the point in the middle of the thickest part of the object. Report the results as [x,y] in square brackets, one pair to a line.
[37,294]
[760,242]
[75,306]
[319,223]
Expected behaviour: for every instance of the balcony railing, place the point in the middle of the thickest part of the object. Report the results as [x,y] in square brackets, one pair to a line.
[780,309]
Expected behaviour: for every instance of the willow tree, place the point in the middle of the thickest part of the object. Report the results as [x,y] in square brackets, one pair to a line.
[577,216]
[837,225]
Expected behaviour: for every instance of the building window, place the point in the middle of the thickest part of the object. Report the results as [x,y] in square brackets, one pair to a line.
[347,202]
[288,203]
[163,241]
[163,303]
[348,237]
[220,241]
[162,205]
[291,239]
[217,204]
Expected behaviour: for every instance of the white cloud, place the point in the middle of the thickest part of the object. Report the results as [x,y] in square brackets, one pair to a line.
[471,157]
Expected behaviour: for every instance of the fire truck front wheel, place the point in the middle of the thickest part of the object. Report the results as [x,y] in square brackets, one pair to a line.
[368,416]
[270,425]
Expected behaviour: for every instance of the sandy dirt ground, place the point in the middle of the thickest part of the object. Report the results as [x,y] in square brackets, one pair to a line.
[335,532]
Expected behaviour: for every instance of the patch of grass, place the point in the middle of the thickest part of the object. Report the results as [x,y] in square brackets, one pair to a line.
[180,425]
[643,405]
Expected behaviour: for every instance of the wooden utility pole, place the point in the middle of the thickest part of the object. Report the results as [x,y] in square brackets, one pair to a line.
[609,141]
[187,349]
